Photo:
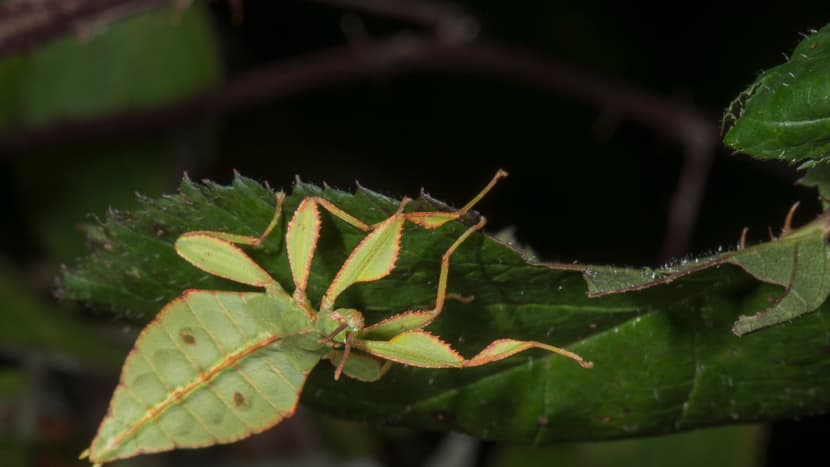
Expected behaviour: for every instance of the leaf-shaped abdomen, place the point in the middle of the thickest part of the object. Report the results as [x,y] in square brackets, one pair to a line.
[213,367]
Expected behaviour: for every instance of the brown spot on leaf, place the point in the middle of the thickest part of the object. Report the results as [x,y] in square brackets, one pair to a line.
[543,421]
[187,336]
[814,45]
[238,399]
[606,419]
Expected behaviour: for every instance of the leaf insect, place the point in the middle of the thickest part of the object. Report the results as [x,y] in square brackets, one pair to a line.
[218,366]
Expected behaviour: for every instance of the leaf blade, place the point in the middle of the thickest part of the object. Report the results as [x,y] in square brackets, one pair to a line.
[784,114]
[191,383]
[673,336]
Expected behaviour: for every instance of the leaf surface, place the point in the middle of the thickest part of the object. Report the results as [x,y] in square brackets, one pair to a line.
[798,262]
[665,357]
[785,113]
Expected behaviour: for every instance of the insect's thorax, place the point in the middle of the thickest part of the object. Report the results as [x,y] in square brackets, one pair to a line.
[340,321]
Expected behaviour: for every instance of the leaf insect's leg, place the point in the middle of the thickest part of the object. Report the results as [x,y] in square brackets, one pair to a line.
[441,294]
[247,239]
[433,220]
[422,349]
[215,253]
[398,212]
[412,320]
[372,259]
[503,348]
[340,214]
[359,366]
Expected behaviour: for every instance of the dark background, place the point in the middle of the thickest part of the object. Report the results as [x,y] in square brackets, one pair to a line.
[592,179]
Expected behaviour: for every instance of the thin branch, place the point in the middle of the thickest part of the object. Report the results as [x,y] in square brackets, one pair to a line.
[688,196]
[448,48]
[399,55]
[26,24]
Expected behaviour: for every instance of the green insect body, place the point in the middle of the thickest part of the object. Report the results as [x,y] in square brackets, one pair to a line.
[217,366]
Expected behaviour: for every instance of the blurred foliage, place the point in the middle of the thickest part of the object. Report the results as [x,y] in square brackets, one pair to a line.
[724,447]
[31,326]
[175,55]
[173,52]
[604,186]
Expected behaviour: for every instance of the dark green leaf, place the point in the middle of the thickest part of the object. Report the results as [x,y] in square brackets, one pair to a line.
[15,452]
[798,262]
[819,178]
[141,61]
[12,383]
[665,356]
[785,113]
[723,447]
[32,327]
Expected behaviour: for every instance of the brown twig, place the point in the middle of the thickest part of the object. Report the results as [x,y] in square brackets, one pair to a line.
[26,24]
[447,47]
[402,54]
[700,147]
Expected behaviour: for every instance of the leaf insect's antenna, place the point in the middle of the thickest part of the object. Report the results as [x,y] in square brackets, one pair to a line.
[330,337]
[346,351]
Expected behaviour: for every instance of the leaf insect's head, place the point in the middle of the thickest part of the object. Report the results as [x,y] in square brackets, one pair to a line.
[336,324]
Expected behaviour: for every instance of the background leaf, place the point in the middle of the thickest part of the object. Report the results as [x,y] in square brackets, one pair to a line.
[785,113]
[819,178]
[724,447]
[798,262]
[665,357]
[30,326]
[173,53]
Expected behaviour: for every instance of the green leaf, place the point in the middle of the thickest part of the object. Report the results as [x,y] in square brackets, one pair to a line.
[785,113]
[12,383]
[665,358]
[725,447]
[145,60]
[140,61]
[798,262]
[818,177]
